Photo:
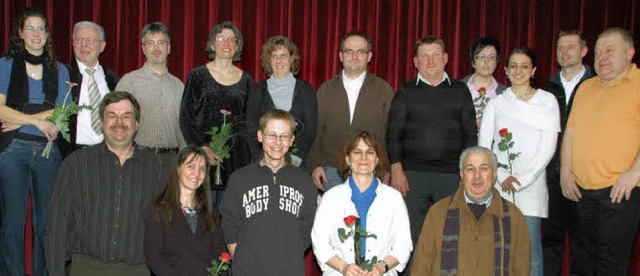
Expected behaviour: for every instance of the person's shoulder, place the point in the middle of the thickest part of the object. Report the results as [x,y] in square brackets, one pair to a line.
[389,191]
[306,86]
[6,62]
[458,85]
[335,80]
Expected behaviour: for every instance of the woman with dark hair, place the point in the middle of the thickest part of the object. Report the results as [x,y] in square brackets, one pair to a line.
[532,118]
[381,210]
[211,88]
[182,229]
[32,84]
[485,54]
[281,61]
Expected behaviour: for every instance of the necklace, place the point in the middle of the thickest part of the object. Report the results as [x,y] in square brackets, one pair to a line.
[526,96]
[31,70]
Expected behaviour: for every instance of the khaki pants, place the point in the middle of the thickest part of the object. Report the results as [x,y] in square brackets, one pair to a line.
[84,265]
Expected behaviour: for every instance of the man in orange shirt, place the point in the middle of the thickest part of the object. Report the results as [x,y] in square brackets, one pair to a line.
[600,158]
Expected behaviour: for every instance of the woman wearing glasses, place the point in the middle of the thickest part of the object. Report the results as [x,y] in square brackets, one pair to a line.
[485,54]
[526,121]
[281,61]
[210,88]
[32,84]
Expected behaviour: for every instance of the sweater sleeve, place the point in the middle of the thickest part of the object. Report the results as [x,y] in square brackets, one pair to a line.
[231,211]
[545,149]
[190,111]
[487,127]
[315,152]
[402,244]
[308,120]
[468,120]
[323,229]
[396,125]
[308,212]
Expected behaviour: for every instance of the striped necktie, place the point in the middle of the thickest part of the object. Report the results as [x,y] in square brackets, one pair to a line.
[94,101]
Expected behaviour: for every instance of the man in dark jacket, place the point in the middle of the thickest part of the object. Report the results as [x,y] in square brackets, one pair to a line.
[570,51]
[94,81]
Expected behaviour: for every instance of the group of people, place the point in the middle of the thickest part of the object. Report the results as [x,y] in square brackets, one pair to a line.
[444,176]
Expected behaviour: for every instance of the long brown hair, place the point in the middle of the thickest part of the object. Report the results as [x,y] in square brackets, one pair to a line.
[16,44]
[167,205]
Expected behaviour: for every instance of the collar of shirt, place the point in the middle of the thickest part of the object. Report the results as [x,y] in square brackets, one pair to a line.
[575,79]
[358,80]
[147,69]
[83,69]
[491,90]
[486,201]
[444,77]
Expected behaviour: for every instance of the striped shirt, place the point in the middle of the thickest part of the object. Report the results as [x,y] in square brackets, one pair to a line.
[97,206]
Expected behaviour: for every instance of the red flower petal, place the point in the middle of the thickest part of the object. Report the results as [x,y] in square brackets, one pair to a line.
[350,220]
[225,257]
[503,132]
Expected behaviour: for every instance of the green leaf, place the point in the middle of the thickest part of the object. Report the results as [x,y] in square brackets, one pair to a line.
[500,165]
[502,146]
[511,144]
[513,156]
[509,136]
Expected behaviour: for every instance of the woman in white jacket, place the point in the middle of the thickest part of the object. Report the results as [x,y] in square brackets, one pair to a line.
[381,210]
[532,117]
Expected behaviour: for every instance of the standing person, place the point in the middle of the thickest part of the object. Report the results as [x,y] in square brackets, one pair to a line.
[533,118]
[351,101]
[268,211]
[212,87]
[380,208]
[94,81]
[182,232]
[570,50]
[424,146]
[100,197]
[475,231]
[159,94]
[281,61]
[32,84]
[600,158]
[485,54]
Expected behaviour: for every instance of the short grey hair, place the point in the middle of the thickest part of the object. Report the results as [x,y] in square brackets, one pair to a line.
[83,24]
[488,152]
[155,28]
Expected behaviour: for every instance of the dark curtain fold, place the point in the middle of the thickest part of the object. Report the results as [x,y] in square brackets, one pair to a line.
[317,26]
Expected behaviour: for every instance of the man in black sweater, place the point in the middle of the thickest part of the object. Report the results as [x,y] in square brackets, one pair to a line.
[431,121]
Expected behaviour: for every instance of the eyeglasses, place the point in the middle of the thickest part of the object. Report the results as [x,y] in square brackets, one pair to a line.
[485,58]
[221,39]
[89,40]
[32,29]
[273,136]
[360,52]
[160,43]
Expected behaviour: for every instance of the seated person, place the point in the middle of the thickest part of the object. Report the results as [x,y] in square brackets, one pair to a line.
[464,233]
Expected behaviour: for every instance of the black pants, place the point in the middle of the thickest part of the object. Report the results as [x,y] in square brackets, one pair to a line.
[609,230]
[563,219]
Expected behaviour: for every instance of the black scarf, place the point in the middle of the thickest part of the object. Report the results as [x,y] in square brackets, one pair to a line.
[18,92]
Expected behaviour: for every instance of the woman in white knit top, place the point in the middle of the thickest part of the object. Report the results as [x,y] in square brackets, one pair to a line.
[533,118]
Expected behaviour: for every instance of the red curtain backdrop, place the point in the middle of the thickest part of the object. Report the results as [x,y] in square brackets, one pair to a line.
[317,26]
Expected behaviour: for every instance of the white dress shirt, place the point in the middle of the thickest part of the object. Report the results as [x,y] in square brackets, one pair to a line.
[85,134]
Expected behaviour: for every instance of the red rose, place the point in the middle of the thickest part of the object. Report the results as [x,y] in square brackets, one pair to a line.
[350,220]
[503,132]
[225,257]
[482,90]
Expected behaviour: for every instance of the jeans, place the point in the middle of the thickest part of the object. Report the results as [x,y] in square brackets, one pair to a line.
[333,178]
[24,171]
[533,224]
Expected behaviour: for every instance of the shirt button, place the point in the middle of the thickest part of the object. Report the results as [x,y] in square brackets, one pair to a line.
[118,209]
[115,242]
[117,226]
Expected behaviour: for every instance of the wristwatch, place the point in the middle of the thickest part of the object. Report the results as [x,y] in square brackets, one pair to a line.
[385,265]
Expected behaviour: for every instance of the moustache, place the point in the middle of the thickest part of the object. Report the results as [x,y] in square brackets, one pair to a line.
[119,127]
